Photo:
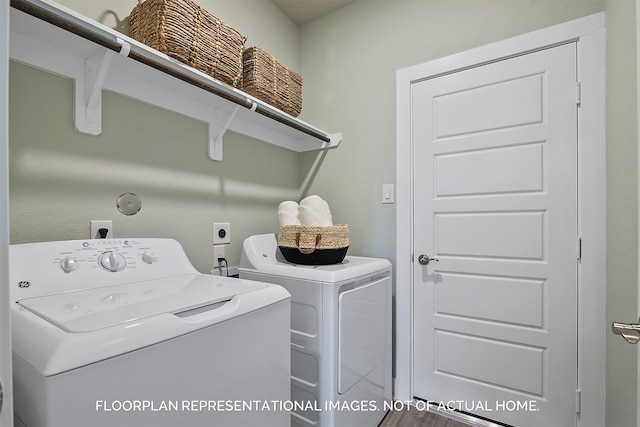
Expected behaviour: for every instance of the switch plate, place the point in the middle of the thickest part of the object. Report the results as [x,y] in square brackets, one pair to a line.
[388,196]
[96,225]
[221,233]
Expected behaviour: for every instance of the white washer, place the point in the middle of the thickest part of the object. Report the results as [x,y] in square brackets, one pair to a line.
[127,333]
[340,334]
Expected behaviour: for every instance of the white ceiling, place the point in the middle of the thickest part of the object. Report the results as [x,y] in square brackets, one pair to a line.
[303,11]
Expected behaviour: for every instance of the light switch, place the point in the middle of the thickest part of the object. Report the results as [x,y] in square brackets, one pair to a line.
[388,194]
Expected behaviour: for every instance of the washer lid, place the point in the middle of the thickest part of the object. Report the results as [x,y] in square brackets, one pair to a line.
[98,308]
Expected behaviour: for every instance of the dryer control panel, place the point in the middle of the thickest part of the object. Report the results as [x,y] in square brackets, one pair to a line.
[53,267]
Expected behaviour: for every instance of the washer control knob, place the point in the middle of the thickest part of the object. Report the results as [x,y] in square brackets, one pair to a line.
[68,264]
[147,257]
[112,261]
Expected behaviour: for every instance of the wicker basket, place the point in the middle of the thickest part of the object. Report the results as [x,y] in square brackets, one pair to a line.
[311,245]
[272,82]
[185,31]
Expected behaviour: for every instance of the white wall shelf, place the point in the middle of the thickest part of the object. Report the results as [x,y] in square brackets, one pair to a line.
[49,36]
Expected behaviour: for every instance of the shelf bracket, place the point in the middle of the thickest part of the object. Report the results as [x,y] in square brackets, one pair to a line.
[217,128]
[335,140]
[88,113]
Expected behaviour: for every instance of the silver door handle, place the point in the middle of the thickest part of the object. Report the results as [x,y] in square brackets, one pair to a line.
[629,331]
[424,259]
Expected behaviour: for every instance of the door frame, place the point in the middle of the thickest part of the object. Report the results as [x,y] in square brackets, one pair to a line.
[638,145]
[589,34]
[6,412]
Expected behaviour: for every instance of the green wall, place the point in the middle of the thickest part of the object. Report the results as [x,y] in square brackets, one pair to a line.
[622,209]
[61,179]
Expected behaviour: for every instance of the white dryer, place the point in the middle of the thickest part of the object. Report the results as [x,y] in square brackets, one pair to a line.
[127,333]
[340,334]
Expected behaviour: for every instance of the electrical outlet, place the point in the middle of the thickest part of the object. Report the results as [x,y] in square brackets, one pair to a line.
[221,233]
[97,227]
[218,252]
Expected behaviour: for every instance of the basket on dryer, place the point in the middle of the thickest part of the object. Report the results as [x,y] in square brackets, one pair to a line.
[314,245]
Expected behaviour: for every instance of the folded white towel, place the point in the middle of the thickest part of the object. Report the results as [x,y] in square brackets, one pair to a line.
[316,203]
[288,213]
[320,206]
[288,205]
[312,210]
[287,218]
[309,216]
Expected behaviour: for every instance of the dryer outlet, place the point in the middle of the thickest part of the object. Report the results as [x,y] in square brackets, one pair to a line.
[221,233]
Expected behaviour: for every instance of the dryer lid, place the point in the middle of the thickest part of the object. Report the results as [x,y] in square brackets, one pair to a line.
[260,254]
[98,308]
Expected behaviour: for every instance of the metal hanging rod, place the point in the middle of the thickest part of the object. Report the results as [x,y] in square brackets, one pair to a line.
[111,40]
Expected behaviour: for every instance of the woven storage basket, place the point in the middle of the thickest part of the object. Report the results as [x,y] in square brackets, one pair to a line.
[269,80]
[185,31]
[310,245]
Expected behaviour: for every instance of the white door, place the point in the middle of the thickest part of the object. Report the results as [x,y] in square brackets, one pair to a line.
[495,201]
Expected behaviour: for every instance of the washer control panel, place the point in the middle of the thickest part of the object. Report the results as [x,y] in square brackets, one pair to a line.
[110,255]
[81,264]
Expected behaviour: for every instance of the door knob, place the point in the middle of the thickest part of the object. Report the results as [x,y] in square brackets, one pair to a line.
[424,259]
[629,331]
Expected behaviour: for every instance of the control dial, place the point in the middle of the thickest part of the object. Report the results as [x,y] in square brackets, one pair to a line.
[147,257]
[68,264]
[112,261]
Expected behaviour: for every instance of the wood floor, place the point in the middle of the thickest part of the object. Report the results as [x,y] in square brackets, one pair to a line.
[413,417]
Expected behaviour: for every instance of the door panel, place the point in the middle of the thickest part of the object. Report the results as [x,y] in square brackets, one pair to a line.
[475,360]
[481,297]
[506,235]
[495,201]
[488,107]
[523,164]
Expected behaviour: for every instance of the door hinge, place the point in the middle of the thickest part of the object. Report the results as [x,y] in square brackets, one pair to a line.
[578,401]
[578,94]
[579,248]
